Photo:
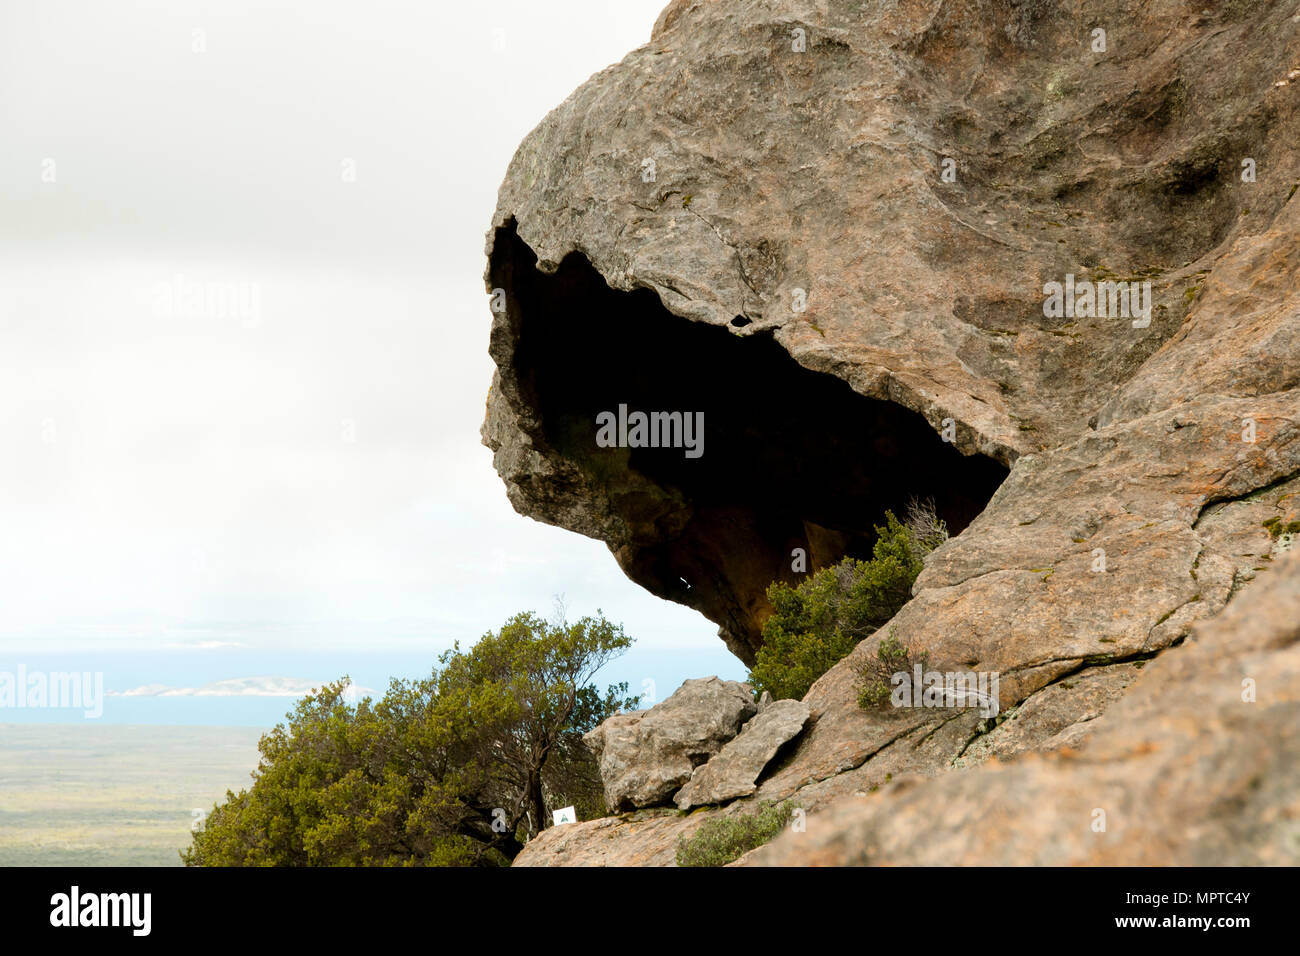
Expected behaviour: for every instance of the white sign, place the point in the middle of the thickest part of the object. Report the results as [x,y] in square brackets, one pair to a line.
[566,815]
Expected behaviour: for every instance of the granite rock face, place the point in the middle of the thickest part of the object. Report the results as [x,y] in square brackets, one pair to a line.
[1198,765]
[644,756]
[732,771]
[750,216]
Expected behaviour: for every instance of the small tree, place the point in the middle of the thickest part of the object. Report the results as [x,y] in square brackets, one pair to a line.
[541,672]
[817,622]
[450,770]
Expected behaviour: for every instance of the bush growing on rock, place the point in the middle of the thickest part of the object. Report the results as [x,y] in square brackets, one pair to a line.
[927,529]
[726,839]
[454,769]
[816,623]
[875,674]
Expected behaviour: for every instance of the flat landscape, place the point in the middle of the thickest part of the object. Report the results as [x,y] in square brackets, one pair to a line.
[101,795]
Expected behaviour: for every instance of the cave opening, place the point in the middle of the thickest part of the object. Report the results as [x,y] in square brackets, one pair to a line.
[791,458]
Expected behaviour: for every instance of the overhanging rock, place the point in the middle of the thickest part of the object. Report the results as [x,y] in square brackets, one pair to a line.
[837,253]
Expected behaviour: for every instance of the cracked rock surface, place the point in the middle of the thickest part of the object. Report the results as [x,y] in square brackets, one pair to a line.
[644,756]
[1126,571]
[1187,769]
[732,771]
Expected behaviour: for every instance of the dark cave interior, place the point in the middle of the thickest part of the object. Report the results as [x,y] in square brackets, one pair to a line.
[792,458]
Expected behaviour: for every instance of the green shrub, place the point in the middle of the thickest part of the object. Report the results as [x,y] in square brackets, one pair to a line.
[817,622]
[455,769]
[875,673]
[790,663]
[726,839]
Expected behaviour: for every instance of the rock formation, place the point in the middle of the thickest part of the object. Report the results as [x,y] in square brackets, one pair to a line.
[835,229]
[709,739]
[1182,771]
[732,771]
[646,755]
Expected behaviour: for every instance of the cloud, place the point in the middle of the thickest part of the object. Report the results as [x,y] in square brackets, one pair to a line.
[236,687]
[204,645]
[313,479]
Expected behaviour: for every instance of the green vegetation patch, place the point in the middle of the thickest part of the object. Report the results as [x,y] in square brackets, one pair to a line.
[817,622]
[456,769]
[726,839]
[875,674]
[1276,527]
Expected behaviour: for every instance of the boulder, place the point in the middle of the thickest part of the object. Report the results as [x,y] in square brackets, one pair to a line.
[646,755]
[737,765]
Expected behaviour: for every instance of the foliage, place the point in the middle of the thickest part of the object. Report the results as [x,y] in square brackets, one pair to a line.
[816,623]
[725,839]
[875,674]
[789,662]
[453,769]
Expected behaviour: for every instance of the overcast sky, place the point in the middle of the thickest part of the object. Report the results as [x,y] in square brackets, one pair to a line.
[301,467]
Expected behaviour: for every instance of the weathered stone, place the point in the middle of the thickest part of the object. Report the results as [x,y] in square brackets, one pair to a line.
[646,755]
[1061,714]
[644,838]
[779,175]
[1153,470]
[1190,768]
[732,772]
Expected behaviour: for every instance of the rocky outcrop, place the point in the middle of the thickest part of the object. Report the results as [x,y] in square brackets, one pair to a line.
[732,772]
[1198,765]
[752,209]
[646,755]
[857,326]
